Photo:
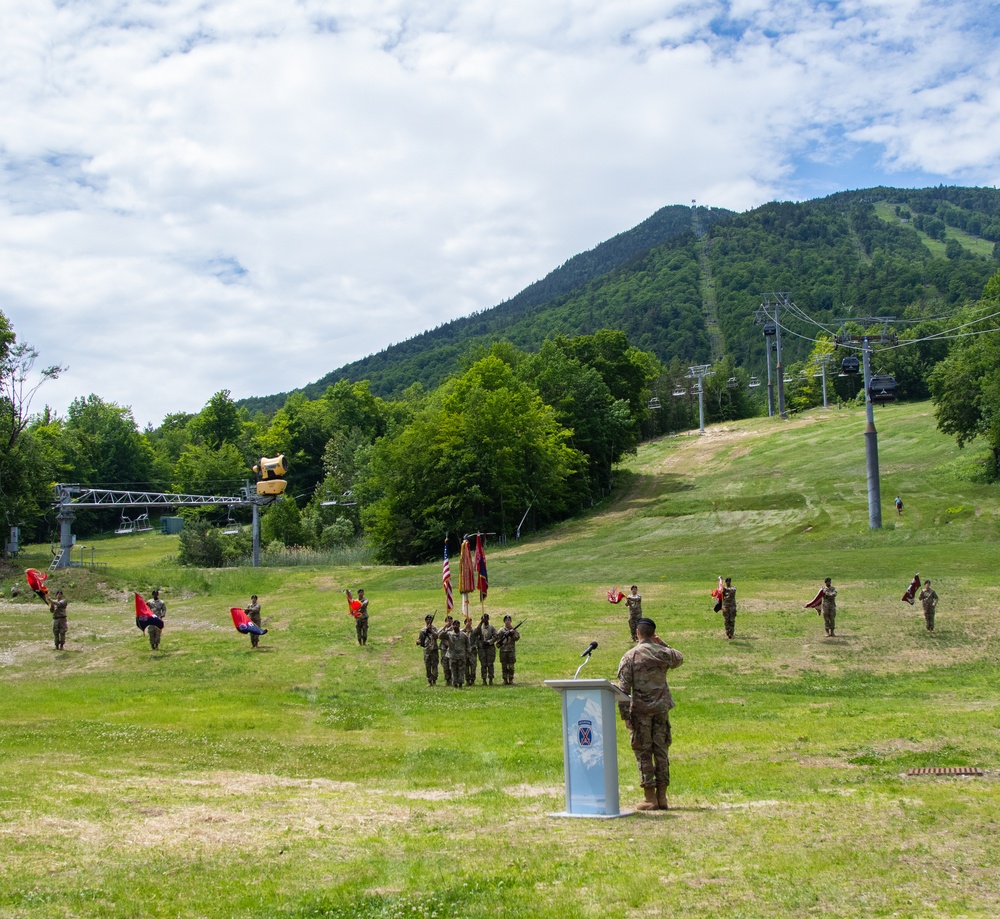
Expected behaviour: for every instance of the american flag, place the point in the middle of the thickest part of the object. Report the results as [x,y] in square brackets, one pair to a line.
[446,580]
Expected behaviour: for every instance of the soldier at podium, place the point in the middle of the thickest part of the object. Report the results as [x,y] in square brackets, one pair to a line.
[642,674]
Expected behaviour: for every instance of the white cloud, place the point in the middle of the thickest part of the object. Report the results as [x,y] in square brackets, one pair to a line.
[206,195]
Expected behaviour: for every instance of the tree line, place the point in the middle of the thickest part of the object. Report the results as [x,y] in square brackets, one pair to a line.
[514,440]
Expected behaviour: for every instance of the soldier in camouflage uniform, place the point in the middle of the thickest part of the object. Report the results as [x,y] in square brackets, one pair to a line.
[634,603]
[361,622]
[642,674]
[444,637]
[507,637]
[472,638]
[828,607]
[458,654]
[487,646]
[58,608]
[929,601]
[428,640]
[159,609]
[729,608]
[253,611]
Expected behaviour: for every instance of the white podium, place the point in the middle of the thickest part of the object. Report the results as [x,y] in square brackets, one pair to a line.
[590,746]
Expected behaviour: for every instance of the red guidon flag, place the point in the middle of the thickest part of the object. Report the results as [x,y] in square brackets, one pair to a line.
[36,581]
[353,606]
[911,591]
[244,624]
[144,616]
[482,581]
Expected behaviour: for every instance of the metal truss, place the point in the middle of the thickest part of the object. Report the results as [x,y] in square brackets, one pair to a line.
[81,496]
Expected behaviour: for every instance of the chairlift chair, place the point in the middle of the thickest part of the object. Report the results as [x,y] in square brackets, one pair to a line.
[680,390]
[754,382]
[126,526]
[653,404]
[732,383]
[142,523]
[232,528]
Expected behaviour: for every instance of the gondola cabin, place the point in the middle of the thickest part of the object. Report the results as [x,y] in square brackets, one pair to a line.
[882,389]
[850,365]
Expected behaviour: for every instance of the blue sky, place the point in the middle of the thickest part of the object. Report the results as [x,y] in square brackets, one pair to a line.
[210,194]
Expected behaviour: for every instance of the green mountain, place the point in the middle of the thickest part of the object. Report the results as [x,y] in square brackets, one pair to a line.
[431,356]
[686,283]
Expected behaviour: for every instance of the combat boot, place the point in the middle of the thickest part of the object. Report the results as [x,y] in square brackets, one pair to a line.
[650,803]
[661,798]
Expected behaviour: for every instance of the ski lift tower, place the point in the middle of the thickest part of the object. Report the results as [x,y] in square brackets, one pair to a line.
[772,326]
[699,372]
[871,435]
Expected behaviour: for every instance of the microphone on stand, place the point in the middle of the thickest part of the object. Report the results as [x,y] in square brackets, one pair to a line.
[586,654]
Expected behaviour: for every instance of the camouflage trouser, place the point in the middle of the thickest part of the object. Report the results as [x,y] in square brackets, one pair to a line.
[729,618]
[470,669]
[929,618]
[59,632]
[254,639]
[487,656]
[154,633]
[457,672]
[507,662]
[651,742]
[446,667]
[633,623]
[431,666]
[829,615]
[361,627]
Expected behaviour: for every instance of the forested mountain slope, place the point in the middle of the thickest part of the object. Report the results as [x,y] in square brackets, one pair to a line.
[433,355]
[687,272]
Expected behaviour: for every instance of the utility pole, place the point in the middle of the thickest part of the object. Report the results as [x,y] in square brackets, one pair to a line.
[871,435]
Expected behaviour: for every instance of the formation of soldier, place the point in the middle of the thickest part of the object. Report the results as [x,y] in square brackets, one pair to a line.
[459,648]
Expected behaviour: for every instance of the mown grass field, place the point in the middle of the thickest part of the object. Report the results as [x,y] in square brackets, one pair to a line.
[318,778]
